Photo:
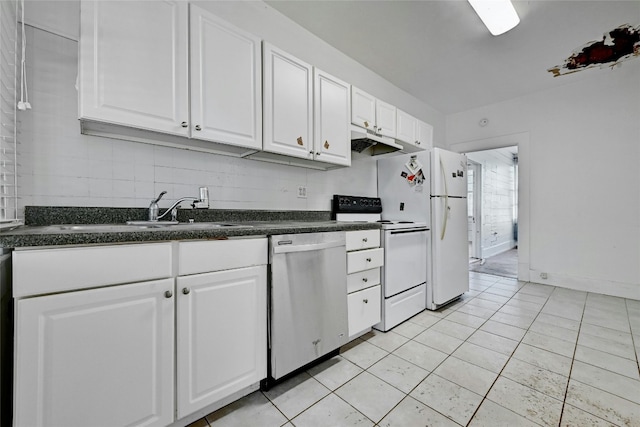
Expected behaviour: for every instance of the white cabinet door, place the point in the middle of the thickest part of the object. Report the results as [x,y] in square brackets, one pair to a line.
[364,309]
[363,109]
[221,335]
[385,119]
[406,127]
[226,90]
[101,357]
[332,108]
[424,137]
[133,64]
[288,104]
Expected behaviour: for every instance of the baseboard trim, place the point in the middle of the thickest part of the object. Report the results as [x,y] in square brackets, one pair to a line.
[598,286]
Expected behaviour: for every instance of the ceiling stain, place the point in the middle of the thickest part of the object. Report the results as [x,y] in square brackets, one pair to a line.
[617,45]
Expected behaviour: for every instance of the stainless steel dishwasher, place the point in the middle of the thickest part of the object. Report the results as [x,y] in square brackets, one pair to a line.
[308,299]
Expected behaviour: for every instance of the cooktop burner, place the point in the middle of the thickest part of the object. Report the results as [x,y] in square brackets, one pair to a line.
[367,209]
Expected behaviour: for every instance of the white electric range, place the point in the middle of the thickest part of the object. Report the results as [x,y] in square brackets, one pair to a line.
[405,243]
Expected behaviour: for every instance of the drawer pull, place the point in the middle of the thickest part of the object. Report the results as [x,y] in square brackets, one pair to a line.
[368,259]
[366,301]
[365,240]
[365,280]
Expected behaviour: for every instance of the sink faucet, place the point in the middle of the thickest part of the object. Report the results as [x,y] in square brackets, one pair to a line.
[197,203]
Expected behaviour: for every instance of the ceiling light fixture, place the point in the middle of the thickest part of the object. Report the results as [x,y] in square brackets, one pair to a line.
[498,15]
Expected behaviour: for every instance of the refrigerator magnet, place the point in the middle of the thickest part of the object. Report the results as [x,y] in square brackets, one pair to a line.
[413,165]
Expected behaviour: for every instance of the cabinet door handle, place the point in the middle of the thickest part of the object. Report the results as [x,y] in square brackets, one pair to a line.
[365,240]
[365,280]
[317,153]
[184,124]
[168,294]
[186,291]
[368,259]
[366,301]
[198,128]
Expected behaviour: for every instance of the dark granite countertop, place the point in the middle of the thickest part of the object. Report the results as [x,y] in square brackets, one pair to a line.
[52,226]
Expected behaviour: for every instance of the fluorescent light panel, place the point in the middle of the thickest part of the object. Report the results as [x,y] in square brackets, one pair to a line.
[498,15]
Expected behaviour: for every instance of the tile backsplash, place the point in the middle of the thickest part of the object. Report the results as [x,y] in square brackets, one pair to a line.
[58,166]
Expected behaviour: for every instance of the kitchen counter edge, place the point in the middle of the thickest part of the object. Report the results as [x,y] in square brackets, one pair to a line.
[35,236]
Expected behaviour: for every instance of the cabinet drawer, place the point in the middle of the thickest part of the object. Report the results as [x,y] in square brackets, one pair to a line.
[42,271]
[362,239]
[364,260]
[364,309]
[363,279]
[217,255]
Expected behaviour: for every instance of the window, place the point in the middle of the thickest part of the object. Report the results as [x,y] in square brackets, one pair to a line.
[8,99]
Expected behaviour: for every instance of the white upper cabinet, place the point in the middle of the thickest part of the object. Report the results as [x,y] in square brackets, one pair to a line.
[133,64]
[288,104]
[135,60]
[332,103]
[306,111]
[372,114]
[406,127]
[415,135]
[226,90]
[363,109]
[385,119]
[424,137]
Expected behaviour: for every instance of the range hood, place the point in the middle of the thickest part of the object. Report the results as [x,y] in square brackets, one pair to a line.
[362,140]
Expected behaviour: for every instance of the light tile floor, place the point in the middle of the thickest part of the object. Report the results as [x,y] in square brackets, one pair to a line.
[508,353]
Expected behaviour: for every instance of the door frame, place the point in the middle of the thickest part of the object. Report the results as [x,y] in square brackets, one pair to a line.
[522,140]
[476,242]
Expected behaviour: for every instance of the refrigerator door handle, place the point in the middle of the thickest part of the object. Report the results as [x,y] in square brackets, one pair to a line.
[446,201]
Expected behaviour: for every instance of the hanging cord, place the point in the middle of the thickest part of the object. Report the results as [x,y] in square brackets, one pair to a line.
[23,104]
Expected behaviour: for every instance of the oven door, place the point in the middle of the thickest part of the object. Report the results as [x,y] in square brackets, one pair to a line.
[405,259]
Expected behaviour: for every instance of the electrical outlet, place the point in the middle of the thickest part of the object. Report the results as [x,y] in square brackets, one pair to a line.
[302,192]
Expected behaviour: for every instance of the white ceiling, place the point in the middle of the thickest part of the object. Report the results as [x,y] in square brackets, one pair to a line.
[440,52]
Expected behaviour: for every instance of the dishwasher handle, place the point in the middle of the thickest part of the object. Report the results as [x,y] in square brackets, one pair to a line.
[287,248]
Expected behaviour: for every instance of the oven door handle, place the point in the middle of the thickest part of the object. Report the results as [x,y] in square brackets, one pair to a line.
[305,248]
[414,230]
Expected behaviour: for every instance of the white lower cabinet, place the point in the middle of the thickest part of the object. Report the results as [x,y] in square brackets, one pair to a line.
[147,346]
[221,335]
[99,357]
[363,309]
[364,259]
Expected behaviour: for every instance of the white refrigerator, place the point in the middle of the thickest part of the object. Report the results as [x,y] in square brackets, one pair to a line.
[431,187]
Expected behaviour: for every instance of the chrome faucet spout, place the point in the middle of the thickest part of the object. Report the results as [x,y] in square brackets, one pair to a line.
[159,197]
[153,207]
[177,202]
[196,203]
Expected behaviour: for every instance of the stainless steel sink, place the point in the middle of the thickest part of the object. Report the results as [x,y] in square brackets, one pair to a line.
[187,225]
[152,224]
[146,225]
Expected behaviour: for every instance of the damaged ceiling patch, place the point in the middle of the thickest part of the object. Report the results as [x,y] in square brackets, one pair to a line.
[617,45]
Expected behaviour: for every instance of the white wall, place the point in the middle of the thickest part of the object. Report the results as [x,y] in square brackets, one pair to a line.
[61,167]
[497,200]
[579,179]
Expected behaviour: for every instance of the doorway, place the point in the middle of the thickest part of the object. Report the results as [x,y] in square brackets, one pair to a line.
[474,185]
[493,211]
